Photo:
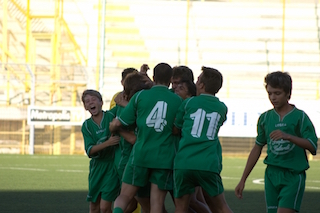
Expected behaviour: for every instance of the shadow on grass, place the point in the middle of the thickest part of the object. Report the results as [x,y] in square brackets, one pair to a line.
[43,201]
[75,202]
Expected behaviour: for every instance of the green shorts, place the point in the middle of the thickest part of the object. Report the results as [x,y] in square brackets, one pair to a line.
[283,188]
[103,180]
[186,180]
[140,176]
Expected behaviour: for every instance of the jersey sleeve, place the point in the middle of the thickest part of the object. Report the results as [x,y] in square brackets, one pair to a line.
[261,138]
[308,132]
[128,115]
[88,139]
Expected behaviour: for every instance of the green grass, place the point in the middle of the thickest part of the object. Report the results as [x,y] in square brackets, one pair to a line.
[51,184]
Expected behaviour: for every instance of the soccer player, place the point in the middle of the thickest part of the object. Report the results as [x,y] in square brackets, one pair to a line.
[199,158]
[99,146]
[152,156]
[180,73]
[288,133]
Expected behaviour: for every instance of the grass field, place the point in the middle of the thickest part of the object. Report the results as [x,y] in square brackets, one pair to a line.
[51,184]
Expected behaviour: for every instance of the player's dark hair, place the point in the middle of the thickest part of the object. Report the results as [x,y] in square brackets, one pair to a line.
[92,93]
[212,80]
[190,86]
[182,72]
[133,83]
[281,80]
[162,73]
[127,71]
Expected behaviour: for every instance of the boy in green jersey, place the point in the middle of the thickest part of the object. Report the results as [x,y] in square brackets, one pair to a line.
[152,156]
[288,133]
[199,158]
[99,146]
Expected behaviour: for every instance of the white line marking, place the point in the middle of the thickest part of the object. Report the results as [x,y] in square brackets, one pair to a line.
[29,169]
[62,170]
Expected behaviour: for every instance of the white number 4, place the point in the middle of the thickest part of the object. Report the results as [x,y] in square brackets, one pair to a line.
[156,118]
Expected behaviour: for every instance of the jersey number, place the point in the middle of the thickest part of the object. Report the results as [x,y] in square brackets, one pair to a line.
[156,118]
[198,120]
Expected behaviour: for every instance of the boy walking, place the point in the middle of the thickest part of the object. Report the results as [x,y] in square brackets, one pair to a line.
[99,146]
[288,133]
[199,158]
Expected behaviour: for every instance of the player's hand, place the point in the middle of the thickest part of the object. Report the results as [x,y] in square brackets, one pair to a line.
[121,99]
[278,135]
[239,189]
[113,140]
[114,125]
[144,69]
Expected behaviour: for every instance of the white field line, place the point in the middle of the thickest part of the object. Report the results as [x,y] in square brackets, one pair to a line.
[40,170]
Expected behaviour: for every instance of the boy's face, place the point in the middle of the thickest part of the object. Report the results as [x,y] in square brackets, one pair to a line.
[92,104]
[182,91]
[175,82]
[277,97]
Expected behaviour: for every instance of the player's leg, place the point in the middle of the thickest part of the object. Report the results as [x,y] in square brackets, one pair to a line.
[105,206]
[131,206]
[217,203]
[143,197]
[126,195]
[285,210]
[196,204]
[157,197]
[182,203]
[95,206]
[161,182]
[212,186]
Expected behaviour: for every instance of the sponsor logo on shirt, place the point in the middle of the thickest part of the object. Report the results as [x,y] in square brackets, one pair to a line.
[281,147]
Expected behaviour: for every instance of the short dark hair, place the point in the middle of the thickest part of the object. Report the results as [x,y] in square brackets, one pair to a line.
[183,72]
[92,93]
[280,80]
[212,80]
[127,71]
[133,83]
[162,73]
[190,86]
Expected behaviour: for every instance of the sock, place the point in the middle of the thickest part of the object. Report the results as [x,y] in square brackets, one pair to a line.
[117,210]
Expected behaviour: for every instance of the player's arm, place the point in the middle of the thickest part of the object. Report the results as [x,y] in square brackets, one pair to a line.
[251,162]
[114,125]
[301,142]
[128,135]
[113,140]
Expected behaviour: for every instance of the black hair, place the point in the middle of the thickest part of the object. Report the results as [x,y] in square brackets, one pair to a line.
[182,72]
[212,80]
[280,80]
[162,73]
[127,71]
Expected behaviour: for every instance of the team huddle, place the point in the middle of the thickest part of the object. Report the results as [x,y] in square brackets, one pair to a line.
[156,140]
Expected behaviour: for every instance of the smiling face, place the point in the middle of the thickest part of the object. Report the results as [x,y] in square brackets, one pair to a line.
[93,104]
[277,97]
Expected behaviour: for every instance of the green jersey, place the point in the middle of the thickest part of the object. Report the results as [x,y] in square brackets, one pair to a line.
[94,134]
[124,149]
[200,119]
[153,111]
[283,153]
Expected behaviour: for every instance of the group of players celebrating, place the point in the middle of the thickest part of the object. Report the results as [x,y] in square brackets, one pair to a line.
[157,140]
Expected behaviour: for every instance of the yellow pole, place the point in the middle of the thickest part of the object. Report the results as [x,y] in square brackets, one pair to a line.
[187,33]
[5,45]
[98,44]
[73,134]
[23,136]
[283,31]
